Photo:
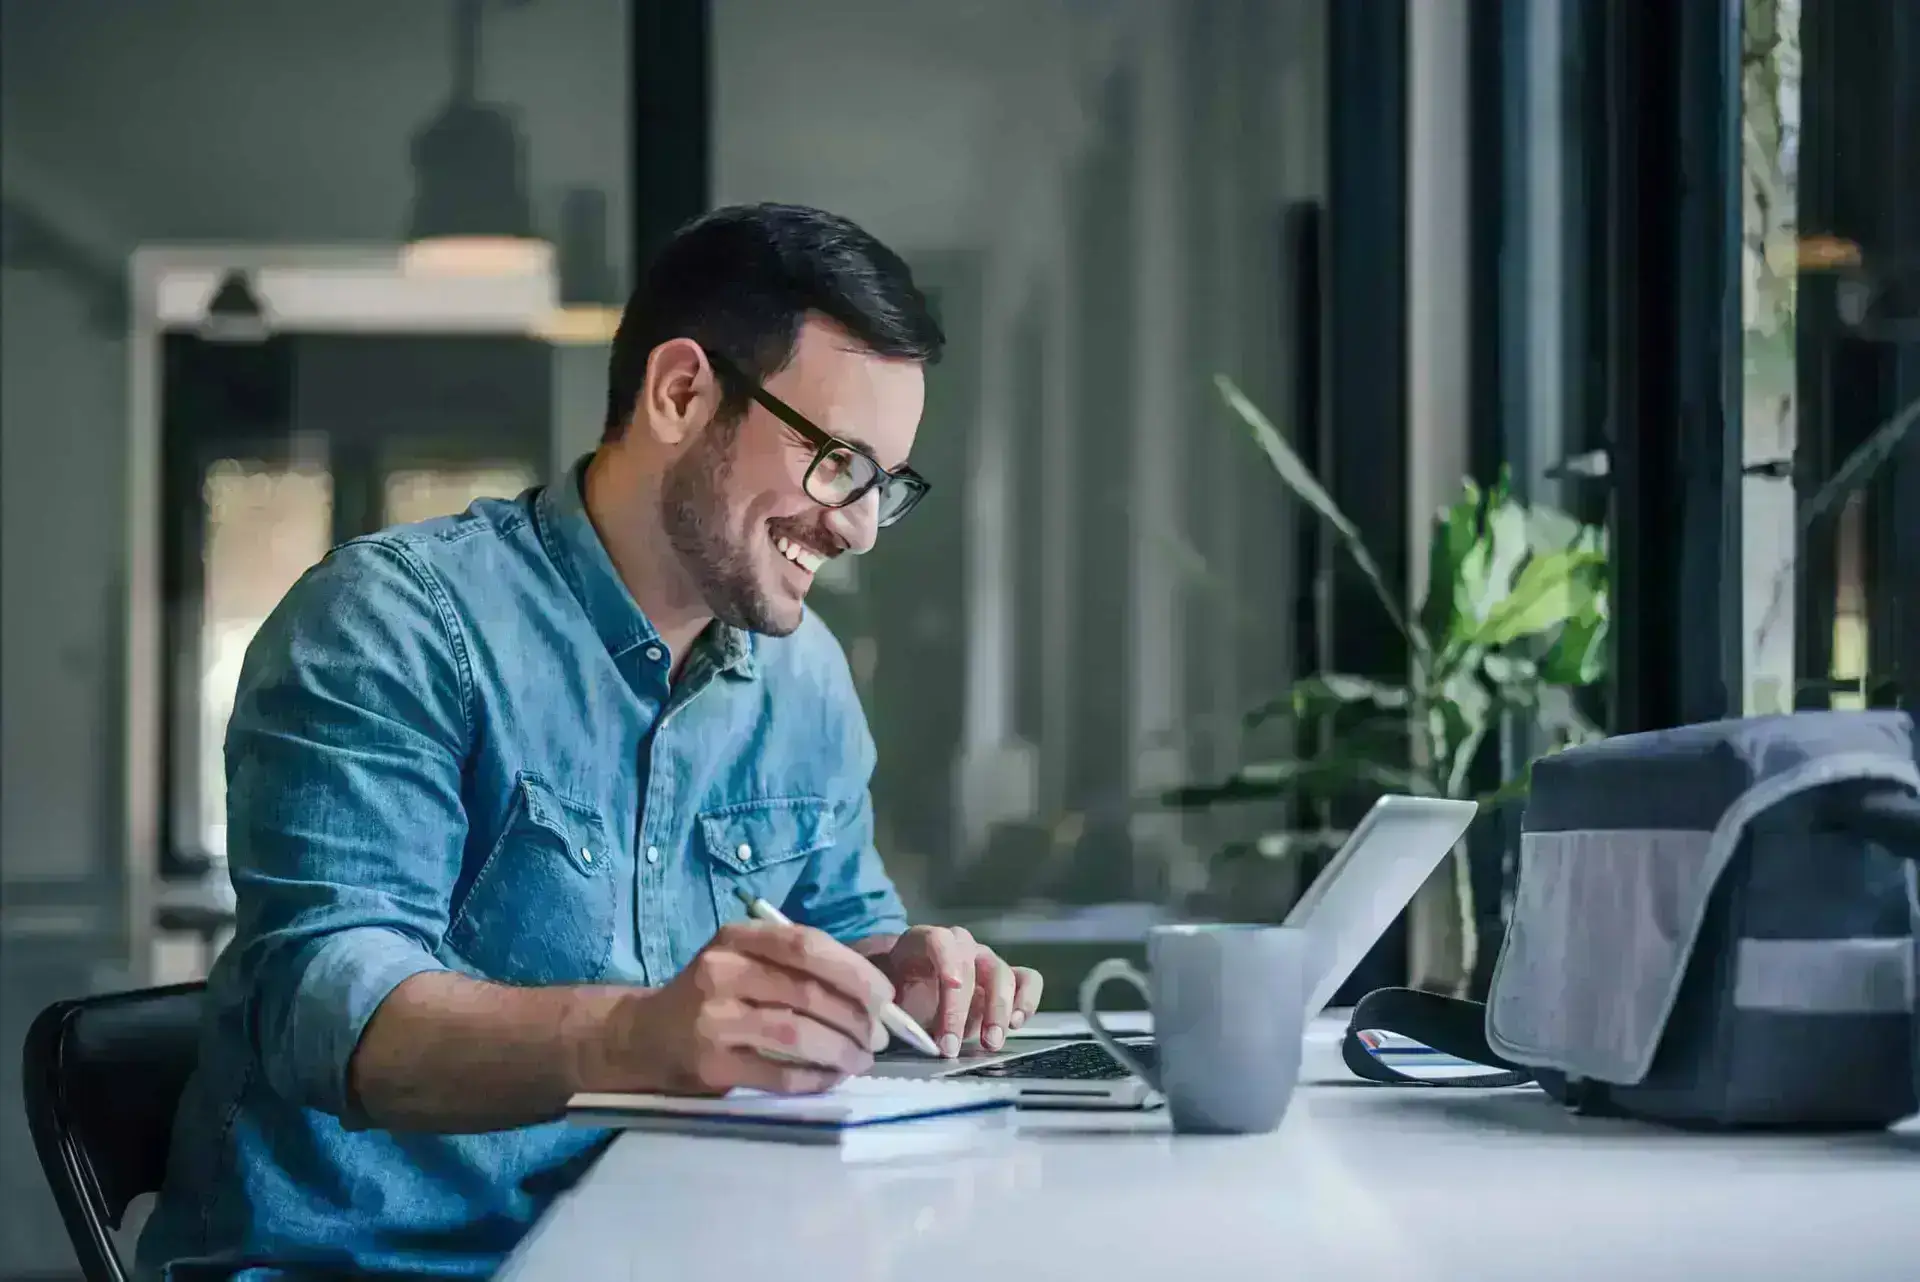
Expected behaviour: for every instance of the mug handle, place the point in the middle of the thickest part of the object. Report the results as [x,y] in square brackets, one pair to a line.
[1110,969]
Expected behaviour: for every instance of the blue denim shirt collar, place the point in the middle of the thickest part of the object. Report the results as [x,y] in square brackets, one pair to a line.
[575,546]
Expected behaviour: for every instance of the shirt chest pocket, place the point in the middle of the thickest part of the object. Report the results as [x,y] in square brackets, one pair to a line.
[541,909]
[761,847]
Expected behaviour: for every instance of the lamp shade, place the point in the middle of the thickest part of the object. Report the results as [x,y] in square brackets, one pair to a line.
[469,170]
[471,212]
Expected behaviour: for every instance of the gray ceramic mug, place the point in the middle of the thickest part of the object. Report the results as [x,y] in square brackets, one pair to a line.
[1229,1018]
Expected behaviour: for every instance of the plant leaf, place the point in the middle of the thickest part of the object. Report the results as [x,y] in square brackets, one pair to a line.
[1543,597]
[1487,572]
[1452,538]
[1508,669]
[1468,709]
[1561,717]
[1551,530]
[1578,656]
[1514,789]
[1329,775]
[1299,478]
[1326,691]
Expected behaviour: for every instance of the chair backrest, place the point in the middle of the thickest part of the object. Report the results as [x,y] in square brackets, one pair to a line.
[102,1079]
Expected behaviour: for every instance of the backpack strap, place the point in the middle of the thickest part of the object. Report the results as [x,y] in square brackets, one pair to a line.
[1447,1024]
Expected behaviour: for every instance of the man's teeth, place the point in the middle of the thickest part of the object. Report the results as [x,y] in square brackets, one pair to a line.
[800,556]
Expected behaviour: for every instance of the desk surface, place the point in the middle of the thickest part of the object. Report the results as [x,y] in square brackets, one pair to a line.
[1407,1185]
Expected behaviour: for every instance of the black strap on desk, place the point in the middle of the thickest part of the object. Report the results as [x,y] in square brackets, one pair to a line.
[1446,1024]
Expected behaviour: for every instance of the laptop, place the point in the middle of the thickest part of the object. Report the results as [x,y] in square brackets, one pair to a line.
[1346,910]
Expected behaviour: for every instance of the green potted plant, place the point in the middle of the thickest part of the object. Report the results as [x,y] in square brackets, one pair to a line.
[1513,625]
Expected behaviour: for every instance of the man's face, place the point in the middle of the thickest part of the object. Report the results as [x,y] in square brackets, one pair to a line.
[736,507]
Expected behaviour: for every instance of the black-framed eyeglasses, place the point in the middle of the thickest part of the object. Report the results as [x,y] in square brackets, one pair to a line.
[840,473]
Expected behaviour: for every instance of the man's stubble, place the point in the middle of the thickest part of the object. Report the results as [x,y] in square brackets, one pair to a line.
[694,514]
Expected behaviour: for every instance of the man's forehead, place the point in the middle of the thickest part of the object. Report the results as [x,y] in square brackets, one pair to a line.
[865,399]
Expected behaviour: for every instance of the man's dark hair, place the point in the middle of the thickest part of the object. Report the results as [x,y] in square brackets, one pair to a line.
[740,281]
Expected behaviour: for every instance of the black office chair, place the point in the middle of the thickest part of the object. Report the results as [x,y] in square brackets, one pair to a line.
[103,1076]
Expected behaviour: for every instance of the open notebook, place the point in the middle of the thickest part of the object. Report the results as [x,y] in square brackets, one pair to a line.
[864,1114]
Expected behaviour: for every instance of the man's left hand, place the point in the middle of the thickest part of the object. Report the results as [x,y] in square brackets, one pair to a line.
[958,988]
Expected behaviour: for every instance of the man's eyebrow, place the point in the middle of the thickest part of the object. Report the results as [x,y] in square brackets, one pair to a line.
[871,453]
[845,437]
[848,438]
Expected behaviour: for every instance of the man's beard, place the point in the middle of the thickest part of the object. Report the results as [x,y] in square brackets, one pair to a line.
[694,515]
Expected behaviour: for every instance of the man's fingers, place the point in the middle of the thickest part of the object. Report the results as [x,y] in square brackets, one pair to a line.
[765,984]
[789,1037]
[953,960]
[1027,985]
[994,1007]
[814,953]
[756,1071]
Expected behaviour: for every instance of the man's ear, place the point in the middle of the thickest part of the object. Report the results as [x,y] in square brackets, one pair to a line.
[680,395]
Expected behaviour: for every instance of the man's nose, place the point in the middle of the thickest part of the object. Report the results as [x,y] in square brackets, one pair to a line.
[858,523]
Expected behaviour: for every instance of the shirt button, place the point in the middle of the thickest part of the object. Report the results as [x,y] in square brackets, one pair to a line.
[745,852]
[586,855]
[653,653]
[653,854]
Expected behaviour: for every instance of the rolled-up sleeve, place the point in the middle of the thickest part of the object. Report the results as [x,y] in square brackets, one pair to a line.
[345,823]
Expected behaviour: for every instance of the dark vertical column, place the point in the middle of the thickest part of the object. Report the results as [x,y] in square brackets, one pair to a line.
[1366,232]
[671,134]
[183,540]
[1816,329]
[1710,357]
[1303,231]
[1672,359]
[1497,176]
[1859,366]
[1900,207]
[1493,53]
[359,489]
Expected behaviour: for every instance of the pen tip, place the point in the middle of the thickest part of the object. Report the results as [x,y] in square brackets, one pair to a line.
[744,895]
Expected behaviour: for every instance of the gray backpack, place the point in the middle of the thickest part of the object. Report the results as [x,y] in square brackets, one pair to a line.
[1714,926]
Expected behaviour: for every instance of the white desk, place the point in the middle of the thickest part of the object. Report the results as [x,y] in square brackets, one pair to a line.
[1404,1185]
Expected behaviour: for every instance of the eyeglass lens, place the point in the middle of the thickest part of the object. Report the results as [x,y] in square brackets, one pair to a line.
[840,475]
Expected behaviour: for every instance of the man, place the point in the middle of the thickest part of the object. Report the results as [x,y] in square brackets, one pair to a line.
[493,781]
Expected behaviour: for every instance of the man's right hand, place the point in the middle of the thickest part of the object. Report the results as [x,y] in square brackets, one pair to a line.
[771,1007]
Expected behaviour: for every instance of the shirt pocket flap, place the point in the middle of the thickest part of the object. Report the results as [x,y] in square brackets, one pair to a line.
[760,834]
[575,826]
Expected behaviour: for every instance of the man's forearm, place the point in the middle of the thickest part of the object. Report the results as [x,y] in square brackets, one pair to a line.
[452,1054]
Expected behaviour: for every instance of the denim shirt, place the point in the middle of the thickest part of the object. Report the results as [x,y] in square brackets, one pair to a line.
[455,746]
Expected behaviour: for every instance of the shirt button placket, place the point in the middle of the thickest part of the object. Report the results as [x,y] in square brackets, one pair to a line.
[655,918]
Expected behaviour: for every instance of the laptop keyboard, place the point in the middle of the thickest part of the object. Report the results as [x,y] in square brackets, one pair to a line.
[1075,1061]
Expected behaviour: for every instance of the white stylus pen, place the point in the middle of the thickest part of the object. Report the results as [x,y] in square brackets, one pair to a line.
[897,1021]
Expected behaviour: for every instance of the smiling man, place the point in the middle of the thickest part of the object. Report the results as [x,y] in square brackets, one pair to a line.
[494,780]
